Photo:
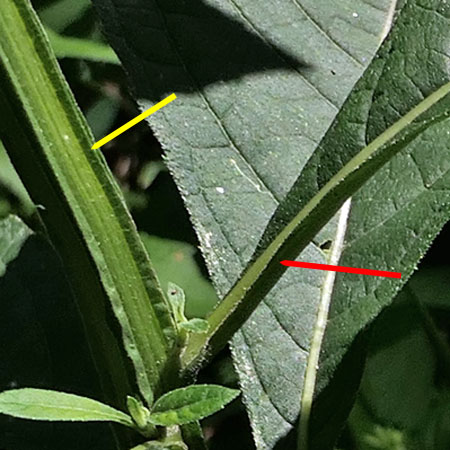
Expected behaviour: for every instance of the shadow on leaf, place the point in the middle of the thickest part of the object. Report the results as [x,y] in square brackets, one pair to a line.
[182,46]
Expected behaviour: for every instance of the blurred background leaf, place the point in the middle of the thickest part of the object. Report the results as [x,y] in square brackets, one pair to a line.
[42,340]
[69,47]
[405,386]
[60,14]
[175,262]
[13,196]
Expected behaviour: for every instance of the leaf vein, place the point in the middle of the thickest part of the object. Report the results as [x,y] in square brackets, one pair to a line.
[260,379]
[283,327]
[324,32]
[296,69]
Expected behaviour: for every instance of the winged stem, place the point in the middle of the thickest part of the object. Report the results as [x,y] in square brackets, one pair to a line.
[265,269]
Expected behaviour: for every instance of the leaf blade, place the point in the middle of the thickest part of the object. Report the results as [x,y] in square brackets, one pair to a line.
[374,211]
[41,404]
[189,404]
[71,47]
[264,272]
[245,172]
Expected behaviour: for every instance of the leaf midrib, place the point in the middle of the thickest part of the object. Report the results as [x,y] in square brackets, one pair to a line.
[220,318]
[318,331]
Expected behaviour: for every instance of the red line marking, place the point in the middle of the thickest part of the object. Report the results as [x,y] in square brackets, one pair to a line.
[374,273]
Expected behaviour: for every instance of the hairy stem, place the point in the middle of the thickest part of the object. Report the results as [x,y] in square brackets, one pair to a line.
[82,208]
[264,271]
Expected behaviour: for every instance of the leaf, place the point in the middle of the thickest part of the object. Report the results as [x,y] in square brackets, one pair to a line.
[13,233]
[435,434]
[392,219]
[398,385]
[191,403]
[13,186]
[82,207]
[60,14]
[41,404]
[404,384]
[101,116]
[177,301]
[71,47]
[408,199]
[224,164]
[176,261]
[432,286]
[138,412]
[252,136]
[263,273]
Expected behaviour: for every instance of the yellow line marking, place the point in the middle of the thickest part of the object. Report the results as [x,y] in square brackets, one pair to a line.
[134,121]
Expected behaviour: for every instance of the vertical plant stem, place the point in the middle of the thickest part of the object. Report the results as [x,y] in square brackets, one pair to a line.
[265,269]
[83,210]
[312,366]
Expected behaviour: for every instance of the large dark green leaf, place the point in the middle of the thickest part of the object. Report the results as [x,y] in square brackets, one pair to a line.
[257,87]
[396,215]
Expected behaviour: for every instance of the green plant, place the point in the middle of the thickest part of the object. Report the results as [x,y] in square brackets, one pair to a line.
[279,153]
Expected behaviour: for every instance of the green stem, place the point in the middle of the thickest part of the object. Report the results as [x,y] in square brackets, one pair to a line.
[82,208]
[264,272]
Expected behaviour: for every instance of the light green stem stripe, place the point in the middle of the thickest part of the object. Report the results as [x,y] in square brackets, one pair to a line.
[48,140]
[264,272]
[312,365]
